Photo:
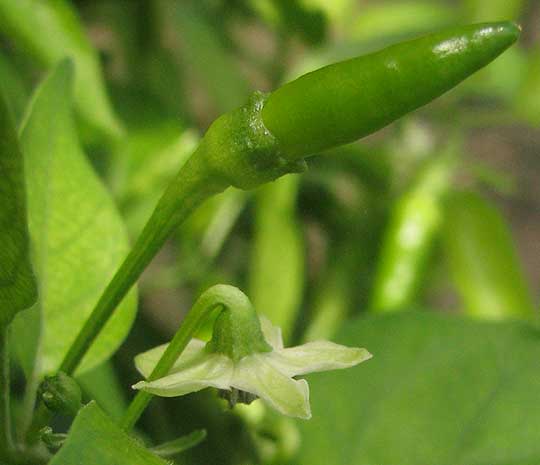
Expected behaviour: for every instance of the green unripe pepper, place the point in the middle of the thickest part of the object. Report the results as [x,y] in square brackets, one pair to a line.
[414,223]
[483,260]
[351,99]
[501,79]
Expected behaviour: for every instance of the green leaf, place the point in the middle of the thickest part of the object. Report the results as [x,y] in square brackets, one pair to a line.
[102,384]
[49,31]
[77,235]
[95,440]
[439,390]
[18,288]
[14,87]
[483,261]
[204,53]
[309,23]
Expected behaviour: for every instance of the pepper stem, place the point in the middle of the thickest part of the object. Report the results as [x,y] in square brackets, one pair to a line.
[191,187]
[236,315]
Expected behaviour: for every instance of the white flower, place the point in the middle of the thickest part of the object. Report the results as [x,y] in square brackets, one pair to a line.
[268,375]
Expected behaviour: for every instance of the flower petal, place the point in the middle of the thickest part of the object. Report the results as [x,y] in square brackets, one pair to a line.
[316,356]
[146,361]
[286,395]
[213,370]
[271,333]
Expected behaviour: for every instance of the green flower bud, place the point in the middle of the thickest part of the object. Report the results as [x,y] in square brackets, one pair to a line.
[53,441]
[61,394]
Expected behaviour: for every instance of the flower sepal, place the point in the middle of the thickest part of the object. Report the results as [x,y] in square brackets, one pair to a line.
[237,332]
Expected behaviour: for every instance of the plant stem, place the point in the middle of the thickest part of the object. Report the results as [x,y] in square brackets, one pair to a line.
[41,417]
[216,298]
[191,187]
[6,440]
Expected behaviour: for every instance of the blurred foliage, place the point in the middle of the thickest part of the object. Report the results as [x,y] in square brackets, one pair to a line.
[29,21]
[18,286]
[379,225]
[110,444]
[277,279]
[445,390]
[482,259]
[69,216]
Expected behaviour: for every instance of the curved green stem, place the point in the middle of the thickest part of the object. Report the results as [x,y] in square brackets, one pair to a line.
[193,185]
[217,298]
[190,188]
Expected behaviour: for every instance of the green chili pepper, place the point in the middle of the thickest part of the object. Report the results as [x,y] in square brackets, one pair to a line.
[345,101]
[414,222]
[483,261]
[269,136]
[502,78]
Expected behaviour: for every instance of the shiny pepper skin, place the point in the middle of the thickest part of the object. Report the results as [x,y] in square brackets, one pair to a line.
[345,101]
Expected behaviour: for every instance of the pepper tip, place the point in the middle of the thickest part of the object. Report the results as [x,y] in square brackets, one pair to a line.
[511,29]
